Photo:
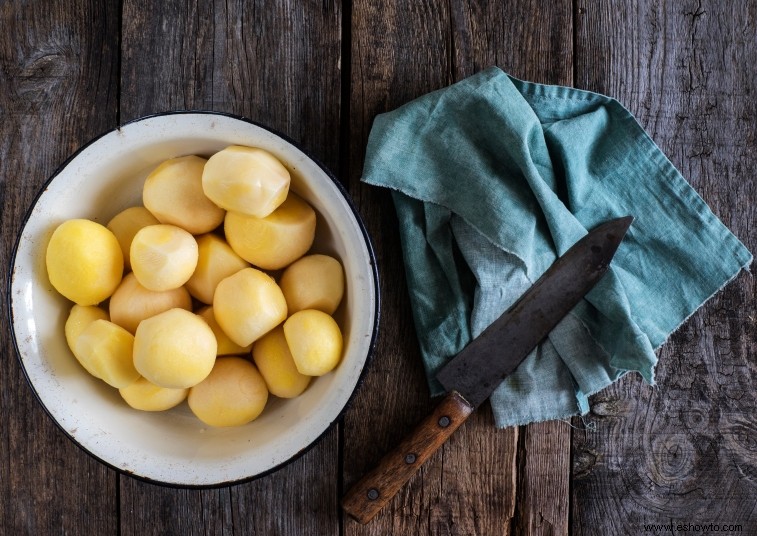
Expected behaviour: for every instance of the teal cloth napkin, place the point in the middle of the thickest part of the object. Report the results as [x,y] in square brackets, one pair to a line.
[493,178]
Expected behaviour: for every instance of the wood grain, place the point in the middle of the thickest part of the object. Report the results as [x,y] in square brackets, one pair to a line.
[683,451]
[276,63]
[47,484]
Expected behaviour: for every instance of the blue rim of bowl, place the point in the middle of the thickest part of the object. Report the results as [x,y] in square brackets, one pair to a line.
[374,269]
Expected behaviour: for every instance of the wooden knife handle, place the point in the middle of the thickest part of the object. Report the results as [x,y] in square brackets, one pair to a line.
[374,490]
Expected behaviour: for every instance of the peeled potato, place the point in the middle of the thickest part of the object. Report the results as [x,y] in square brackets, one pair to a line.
[173,193]
[105,350]
[246,180]
[145,396]
[233,394]
[225,345]
[247,305]
[313,282]
[276,240]
[163,257]
[78,319]
[174,349]
[131,302]
[216,261]
[125,225]
[274,361]
[84,261]
[315,341]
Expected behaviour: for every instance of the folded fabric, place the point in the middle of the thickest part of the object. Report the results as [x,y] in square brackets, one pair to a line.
[493,178]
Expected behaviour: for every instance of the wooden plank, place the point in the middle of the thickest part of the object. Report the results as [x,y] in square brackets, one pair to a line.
[543,37]
[543,497]
[276,63]
[401,51]
[51,64]
[683,452]
[386,37]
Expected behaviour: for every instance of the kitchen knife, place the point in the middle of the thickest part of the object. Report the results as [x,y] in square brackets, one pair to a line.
[472,375]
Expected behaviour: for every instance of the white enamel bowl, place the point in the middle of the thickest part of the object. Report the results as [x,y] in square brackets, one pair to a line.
[174,447]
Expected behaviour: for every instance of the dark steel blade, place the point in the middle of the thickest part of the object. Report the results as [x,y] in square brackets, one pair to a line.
[482,365]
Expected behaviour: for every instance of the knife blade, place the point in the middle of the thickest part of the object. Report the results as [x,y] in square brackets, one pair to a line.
[473,374]
[482,365]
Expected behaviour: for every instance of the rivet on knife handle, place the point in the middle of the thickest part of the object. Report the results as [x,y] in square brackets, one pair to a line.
[376,489]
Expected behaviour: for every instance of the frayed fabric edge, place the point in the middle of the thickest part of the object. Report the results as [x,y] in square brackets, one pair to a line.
[522,422]
[743,268]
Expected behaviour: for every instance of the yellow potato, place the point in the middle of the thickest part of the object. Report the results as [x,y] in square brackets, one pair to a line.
[125,225]
[275,241]
[246,180]
[315,341]
[105,351]
[247,305]
[145,396]
[313,282]
[78,319]
[131,302]
[173,193]
[216,261]
[174,349]
[274,361]
[163,257]
[225,345]
[233,394]
[84,261]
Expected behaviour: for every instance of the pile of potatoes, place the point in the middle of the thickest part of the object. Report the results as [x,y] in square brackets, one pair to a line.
[176,299]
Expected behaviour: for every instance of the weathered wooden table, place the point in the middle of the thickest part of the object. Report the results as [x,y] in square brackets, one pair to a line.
[683,452]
